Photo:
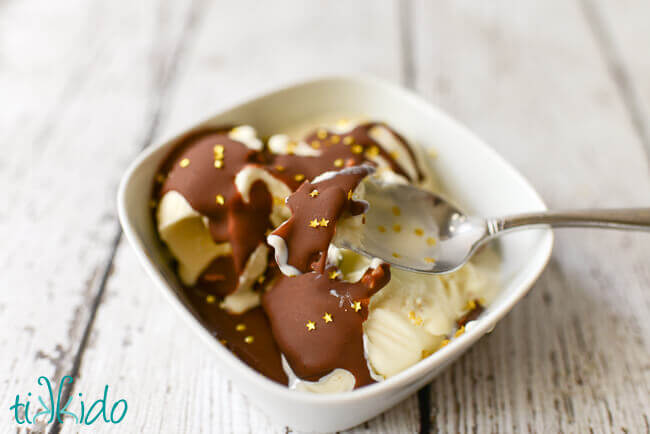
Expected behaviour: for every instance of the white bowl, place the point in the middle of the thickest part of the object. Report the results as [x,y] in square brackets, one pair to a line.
[471,173]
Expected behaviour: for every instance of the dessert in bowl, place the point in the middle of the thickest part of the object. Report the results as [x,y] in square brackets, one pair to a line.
[251,224]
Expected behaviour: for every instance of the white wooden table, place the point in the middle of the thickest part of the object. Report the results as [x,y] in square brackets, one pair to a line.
[560,88]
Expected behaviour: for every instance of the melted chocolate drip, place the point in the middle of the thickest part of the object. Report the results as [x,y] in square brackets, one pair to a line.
[296,301]
[337,153]
[471,315]
[322,203]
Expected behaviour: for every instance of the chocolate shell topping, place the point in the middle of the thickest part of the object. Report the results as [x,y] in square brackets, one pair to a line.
[315,209]
[314,319]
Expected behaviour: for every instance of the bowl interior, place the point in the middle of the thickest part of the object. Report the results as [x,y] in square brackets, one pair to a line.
[470,172]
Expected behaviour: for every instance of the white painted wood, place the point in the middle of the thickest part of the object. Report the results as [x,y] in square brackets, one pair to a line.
[76,85]
[138,345]
[86,81]
[572,357]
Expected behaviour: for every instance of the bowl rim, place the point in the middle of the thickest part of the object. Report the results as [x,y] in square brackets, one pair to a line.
[412,374]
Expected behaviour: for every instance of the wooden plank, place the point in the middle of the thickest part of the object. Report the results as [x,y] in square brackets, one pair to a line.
[572,356]
[78,89]
[138,346]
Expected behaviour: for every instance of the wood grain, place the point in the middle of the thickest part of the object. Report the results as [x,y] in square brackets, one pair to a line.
[572,356]
[560,89]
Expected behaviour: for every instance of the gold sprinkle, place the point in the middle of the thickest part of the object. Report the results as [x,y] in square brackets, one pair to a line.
[338,162]
[278,200]
[419,232]
[397,228]
[381,228]
[372,152]
[184,162]
[315,144]
[291,148]
[313,223]
[220,199]
[160,178]
[240,327]
[322,134]
[444,343]
[393,154]
[210,299]
[327,317]
[310,325]
[430,260]
[324,222]
[415,318]
[396,211]
[471,305]
[218,164]
[335,139]
[261,279]
[348,140]
[218,150]
[223,341]
[460,331]
[396,255]
[356,306]
[426,353]
[249,339]
[279,168]
[299,177]
[314,193]
[357,149]
[431,241]
[349,194]
[334,274]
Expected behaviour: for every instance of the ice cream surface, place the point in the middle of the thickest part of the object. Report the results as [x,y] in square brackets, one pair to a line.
[252,227]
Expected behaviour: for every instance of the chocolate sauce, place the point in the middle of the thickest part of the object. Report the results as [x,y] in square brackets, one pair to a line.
[202,169]
[315,209]
[336,311]
[471,315]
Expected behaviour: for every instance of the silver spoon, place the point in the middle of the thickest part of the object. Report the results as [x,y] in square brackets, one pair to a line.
[416,230]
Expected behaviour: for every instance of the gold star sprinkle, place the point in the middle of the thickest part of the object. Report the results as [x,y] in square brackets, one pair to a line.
[443,343]
[220,199]
[419,232]
[223,341]
[240,327]
[279,168]
[335,139]
[278,200]
[415,318]
[396,211]
[160,178]
[210,299]
[299,177]
[249,339]
[291,148]
[431,241]
[313,223]
[338,162]
[381,228]
[430,260]
[315,144]
[334,274]
[372,152]
[426,353]
[393,154]
[396,255]
[348,140]
[471,305]
[357,149]
[324,222]
[310,325]
[397,228]
[356,306]
[460,331]
[349,194]
[321,133]
[327,317]
[184,162]
[314,193]
[261,279]
[218,164]
[218,150]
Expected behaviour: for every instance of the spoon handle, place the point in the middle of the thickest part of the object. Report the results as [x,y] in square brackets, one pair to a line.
[624,218]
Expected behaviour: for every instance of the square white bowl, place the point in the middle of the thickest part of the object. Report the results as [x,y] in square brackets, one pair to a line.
[471,173]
